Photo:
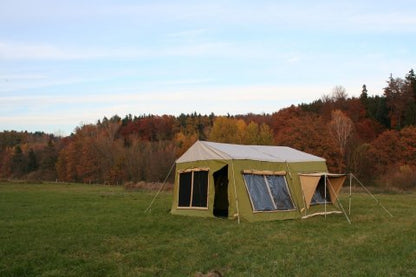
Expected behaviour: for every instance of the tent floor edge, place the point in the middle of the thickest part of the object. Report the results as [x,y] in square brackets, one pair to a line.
[321,213]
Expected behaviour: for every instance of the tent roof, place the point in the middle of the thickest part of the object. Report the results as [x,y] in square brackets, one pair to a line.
[204,150]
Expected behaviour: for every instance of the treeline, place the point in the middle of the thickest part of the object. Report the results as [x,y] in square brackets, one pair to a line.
[372,136]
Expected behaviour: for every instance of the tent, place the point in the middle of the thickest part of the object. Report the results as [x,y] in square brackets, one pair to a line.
[253,183]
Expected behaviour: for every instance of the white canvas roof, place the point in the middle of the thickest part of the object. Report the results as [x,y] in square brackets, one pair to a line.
[204,150]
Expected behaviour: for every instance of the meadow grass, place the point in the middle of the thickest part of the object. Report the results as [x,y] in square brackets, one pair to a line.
[94,230]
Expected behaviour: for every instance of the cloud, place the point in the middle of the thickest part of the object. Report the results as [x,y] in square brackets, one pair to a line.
[188,33]
[383,21]
[209,96]
[294,59]
[21,77]
[71,57]
[321,15]
[50,113]
[186,81]
[21,83]
[43,51]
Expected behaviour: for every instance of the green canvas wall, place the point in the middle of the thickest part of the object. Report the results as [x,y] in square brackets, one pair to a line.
[237,192]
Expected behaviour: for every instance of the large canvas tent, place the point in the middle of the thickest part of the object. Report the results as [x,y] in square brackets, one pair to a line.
[252,183]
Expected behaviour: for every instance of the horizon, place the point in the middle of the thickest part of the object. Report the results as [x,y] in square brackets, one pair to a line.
[71,63]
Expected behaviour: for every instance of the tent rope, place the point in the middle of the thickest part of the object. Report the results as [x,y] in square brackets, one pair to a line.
[349,197]
[339,202]
[161,188]
[325,176]
[375,199]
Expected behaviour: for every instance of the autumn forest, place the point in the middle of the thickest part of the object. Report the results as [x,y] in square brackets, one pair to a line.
[373,137]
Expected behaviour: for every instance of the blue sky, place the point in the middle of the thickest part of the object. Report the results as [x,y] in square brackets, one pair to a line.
[67,63]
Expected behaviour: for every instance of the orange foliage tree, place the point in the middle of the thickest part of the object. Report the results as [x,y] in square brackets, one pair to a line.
[385,151]
[393,156]
[408,143]
[231,130]
[351,133]
[228,130]
[309,133]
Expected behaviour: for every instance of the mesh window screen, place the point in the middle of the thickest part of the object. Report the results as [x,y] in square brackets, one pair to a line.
[199,195]
[268,192]
[319,194]
[280,192]
[259,194]
[185,180]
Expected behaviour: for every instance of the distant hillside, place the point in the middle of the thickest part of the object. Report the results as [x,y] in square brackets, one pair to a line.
[372,136]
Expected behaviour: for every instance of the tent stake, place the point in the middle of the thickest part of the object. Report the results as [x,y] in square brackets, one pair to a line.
[375,199]
[235,192]
[161,187]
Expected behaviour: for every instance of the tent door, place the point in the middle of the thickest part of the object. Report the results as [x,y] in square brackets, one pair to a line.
[221,192]
[319,194]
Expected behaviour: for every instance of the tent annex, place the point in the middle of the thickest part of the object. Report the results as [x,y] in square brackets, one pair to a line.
[253,183]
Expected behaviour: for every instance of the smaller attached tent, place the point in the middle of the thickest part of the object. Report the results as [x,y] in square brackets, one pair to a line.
[252,182]
[320,188]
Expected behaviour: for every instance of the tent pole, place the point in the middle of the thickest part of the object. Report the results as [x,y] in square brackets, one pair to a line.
[235,192]
[375,199]
[304,201]
[288,170]
[349,198]
[303,195]
[161,187]
[340,205]
[325,194]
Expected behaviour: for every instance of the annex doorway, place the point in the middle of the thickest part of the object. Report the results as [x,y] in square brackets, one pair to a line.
[221,192]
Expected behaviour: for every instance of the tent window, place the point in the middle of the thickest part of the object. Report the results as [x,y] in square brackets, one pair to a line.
[185,181]
[319,194]
[199,195]
[193,189]
[268,192]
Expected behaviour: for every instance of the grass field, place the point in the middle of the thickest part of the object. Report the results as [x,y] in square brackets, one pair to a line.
[91,230]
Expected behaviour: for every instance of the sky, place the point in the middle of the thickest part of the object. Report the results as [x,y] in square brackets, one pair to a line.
[68,63]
